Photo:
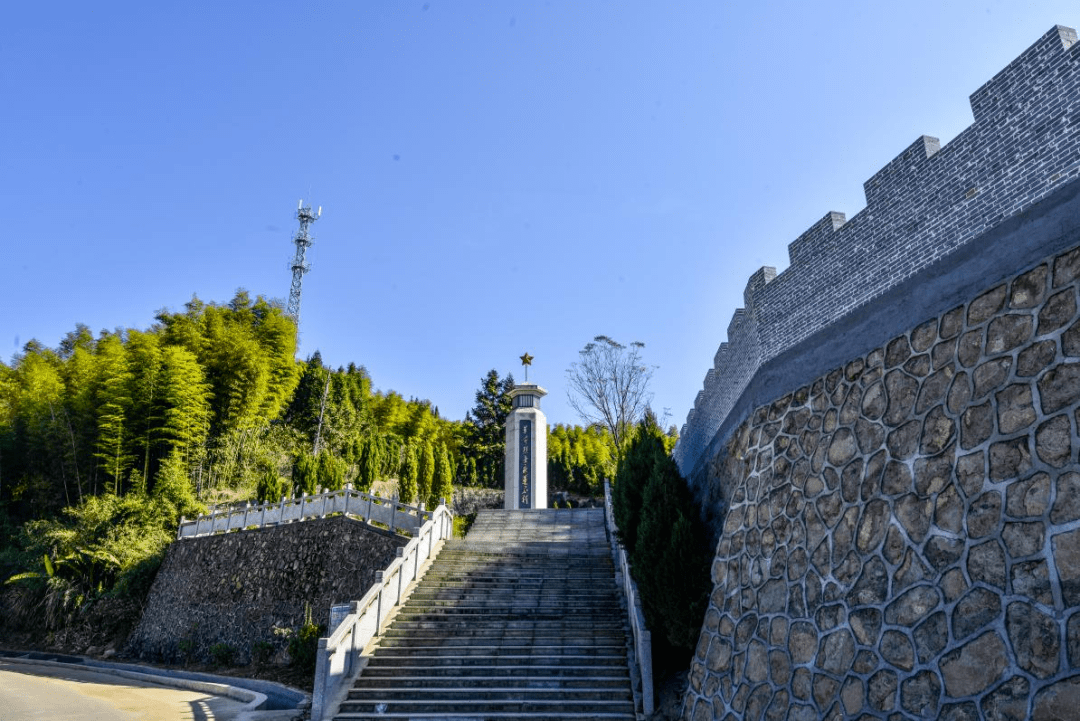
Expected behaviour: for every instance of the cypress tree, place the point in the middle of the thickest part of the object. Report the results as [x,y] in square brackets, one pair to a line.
[442,486]
[305,473]
[331,471]
[426,475]
[634,469]
[669,560]
[409,472]
[369,464]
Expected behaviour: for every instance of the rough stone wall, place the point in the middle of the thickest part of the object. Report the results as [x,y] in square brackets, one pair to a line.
[903,538]
[929,201]
[234,588]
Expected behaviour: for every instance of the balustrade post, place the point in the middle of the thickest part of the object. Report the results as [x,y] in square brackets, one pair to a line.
[354,610]
[378,602]
[400,573]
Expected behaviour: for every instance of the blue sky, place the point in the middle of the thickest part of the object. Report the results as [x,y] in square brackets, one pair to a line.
[495,177]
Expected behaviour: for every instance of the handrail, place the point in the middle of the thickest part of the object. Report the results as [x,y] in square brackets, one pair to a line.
[338,656]
[643,697]
[392,514]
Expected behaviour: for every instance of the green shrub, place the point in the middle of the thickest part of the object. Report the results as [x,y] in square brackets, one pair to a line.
[634,468]
[222,654]
[660,525]
[304,644]
[670,563]
[462,524]
[186,648]
[261,652]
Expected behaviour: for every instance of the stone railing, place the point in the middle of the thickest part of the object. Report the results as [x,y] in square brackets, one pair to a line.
[392,514]
[642,661]
[339,656]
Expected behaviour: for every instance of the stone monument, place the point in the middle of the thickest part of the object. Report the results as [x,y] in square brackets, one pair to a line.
[526,446]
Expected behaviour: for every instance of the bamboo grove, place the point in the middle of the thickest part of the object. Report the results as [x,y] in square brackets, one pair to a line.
[106,440]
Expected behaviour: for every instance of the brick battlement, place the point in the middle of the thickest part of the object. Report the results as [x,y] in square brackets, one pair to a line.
[922,206]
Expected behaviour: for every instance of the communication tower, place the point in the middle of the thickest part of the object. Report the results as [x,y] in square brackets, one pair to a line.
[300,266]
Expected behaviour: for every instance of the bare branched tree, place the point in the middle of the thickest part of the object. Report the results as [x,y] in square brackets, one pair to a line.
[609,385]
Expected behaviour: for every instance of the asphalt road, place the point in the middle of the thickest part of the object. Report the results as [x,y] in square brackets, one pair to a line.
[30,692]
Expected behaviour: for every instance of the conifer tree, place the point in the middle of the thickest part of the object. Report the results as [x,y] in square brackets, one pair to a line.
[368,464]
[407,482]
[271,485]
[331,471]
[634,469]
[305,474]
[441,487]
[669,561]
[426,475]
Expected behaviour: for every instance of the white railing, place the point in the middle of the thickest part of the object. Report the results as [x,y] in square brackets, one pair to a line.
[338,658]
[392,514]
[642,661]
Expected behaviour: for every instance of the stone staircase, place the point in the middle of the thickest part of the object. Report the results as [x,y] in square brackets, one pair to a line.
[520,620]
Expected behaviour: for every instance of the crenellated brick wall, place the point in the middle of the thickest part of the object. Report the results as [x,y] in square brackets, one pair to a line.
[887,445]
[924,205]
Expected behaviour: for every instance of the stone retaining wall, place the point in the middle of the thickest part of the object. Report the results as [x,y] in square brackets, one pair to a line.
[235,588]
[903,533]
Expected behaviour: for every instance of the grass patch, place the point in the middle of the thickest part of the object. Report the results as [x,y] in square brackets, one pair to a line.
[463,523]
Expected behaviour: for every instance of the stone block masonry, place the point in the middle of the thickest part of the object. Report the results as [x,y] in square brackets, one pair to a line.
[903,532]
[923,207]
[234,588]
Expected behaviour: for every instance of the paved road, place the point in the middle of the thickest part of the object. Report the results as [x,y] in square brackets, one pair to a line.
[38,693]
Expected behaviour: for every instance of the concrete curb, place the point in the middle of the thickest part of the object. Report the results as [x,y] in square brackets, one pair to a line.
[254,701]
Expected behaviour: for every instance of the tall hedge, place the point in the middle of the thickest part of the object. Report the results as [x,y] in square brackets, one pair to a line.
[661,529]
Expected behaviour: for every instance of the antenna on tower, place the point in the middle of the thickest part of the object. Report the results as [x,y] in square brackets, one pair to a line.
[303,241]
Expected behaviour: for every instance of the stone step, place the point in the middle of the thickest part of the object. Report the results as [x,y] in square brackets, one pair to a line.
[404,640]
[534,672]
[525,576]
[520,659]
[521,620]
[518,606]
[506,593]
[523,570]
[481,708]
[423,681]
[464,626]
[470,578]
[491,692]
[523,612]
[452,715]
[503,650]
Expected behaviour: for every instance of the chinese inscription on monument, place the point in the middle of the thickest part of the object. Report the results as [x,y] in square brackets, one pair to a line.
[524,462]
